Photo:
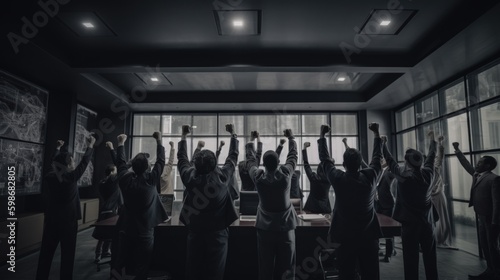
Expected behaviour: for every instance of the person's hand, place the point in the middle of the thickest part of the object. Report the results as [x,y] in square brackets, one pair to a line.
[109,145]
[91,141]
[171,143]
[121,139]
[374,127]
[344,140]
[157,136]
[222,143]
[307,145]
[384,139]
[186,129]
[324,130]
[282,142]
[230,128]
[441,138]
[288,133]
[455,145]
[430,134]
[201,144]
[254,135]
[59,144]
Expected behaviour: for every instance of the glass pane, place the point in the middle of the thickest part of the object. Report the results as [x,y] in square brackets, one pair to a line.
[284,152]
[496,155]
[264,124]
[343,124]
[205,125]
[454,98]
[422,139]
[288,122]
[486,130]
[312,123]
[405,141]
[146,124]
[338,148]
[172,124]
[405,118]
[312,152]
[464,220]
[455,130]
[459,180]
[225,149]
[238,121]
[488,83]
[144,145]
[427,109]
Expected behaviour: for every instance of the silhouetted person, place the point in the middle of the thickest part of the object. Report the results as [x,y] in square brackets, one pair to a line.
[167,176]
[143,208]
[317,201]
[485,198]
[442,231]
[208,209]
[110,199]
[247,183]
[354,222]
[62,210]
[295,190]
[414,209]
[276,218]
[233,186]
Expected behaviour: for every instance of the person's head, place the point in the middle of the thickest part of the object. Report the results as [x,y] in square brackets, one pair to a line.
[270,160]
[205,161]
[110,170]
[352,160]
[320,171]
[414,158]
[140,163]
[65,159]
[486,163]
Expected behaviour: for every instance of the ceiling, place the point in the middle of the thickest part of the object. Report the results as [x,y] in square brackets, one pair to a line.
[295,61]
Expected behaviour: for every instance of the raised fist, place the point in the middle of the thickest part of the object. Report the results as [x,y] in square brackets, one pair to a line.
[344,140]
[430,134]
[230,128]
[282,142]
[186,129]
[288,133]
[201,144]
[384,139]
[222,143]
[455,145]
[60,143]
[91,141]
[324,129]
[121,138]
[156,135]
[109,145]
[171,143]
[373,127]
[441,138]
[307,145]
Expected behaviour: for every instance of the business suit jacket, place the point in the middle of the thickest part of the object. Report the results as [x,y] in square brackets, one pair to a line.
[295,190]
[354,215]
[485,192]
[143,208]
[413,201]
[385,202]
[208,205]
[318,201]
[275,211]
[246,181]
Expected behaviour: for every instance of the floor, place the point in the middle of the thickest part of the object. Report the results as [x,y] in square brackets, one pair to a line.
[452,264]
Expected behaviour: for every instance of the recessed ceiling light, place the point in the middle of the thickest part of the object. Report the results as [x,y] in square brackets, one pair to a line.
[88,24]
[385,22]
[154,79]
[341,79]
[237,23]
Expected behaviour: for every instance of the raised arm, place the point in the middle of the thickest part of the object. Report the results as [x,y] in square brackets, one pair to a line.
[377,146]
[121,162]
[431,155]
[258,155]
[183,163]
[80,169]
[391,163]
[291,158]
[217,153]
[310,174]
[463,160]
[440,154]
[112,152]
[170,164]
[232,157]
[324,155]
[154,179]
[280,146]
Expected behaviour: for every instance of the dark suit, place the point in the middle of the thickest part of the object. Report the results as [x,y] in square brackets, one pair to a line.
[485,198]
[354,222]
[247,182]
[318,201]
[276,218]
[414,211]
[61,215]
[295,190]
[234,189]
[385,204]
[143,210]
[207,211]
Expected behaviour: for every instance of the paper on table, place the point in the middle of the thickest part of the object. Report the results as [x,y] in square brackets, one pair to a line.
[310,217]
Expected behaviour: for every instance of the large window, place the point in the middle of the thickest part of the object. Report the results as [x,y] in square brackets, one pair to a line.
[467,113]
[210,128]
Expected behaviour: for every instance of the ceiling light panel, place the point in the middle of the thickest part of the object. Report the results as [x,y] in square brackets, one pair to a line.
[86,24]
[238,22]
[154,79]
[386,22]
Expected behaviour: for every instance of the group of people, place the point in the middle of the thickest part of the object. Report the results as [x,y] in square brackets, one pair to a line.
[208,209]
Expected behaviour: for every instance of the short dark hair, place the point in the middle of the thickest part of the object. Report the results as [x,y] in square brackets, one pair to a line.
[491,161]
[63,158]
[140,163]
[414,157]
[109,169]
[205,161]
[270,160]
[352,159]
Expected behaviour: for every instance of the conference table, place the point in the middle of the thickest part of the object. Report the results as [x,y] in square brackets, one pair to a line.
[311,237]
